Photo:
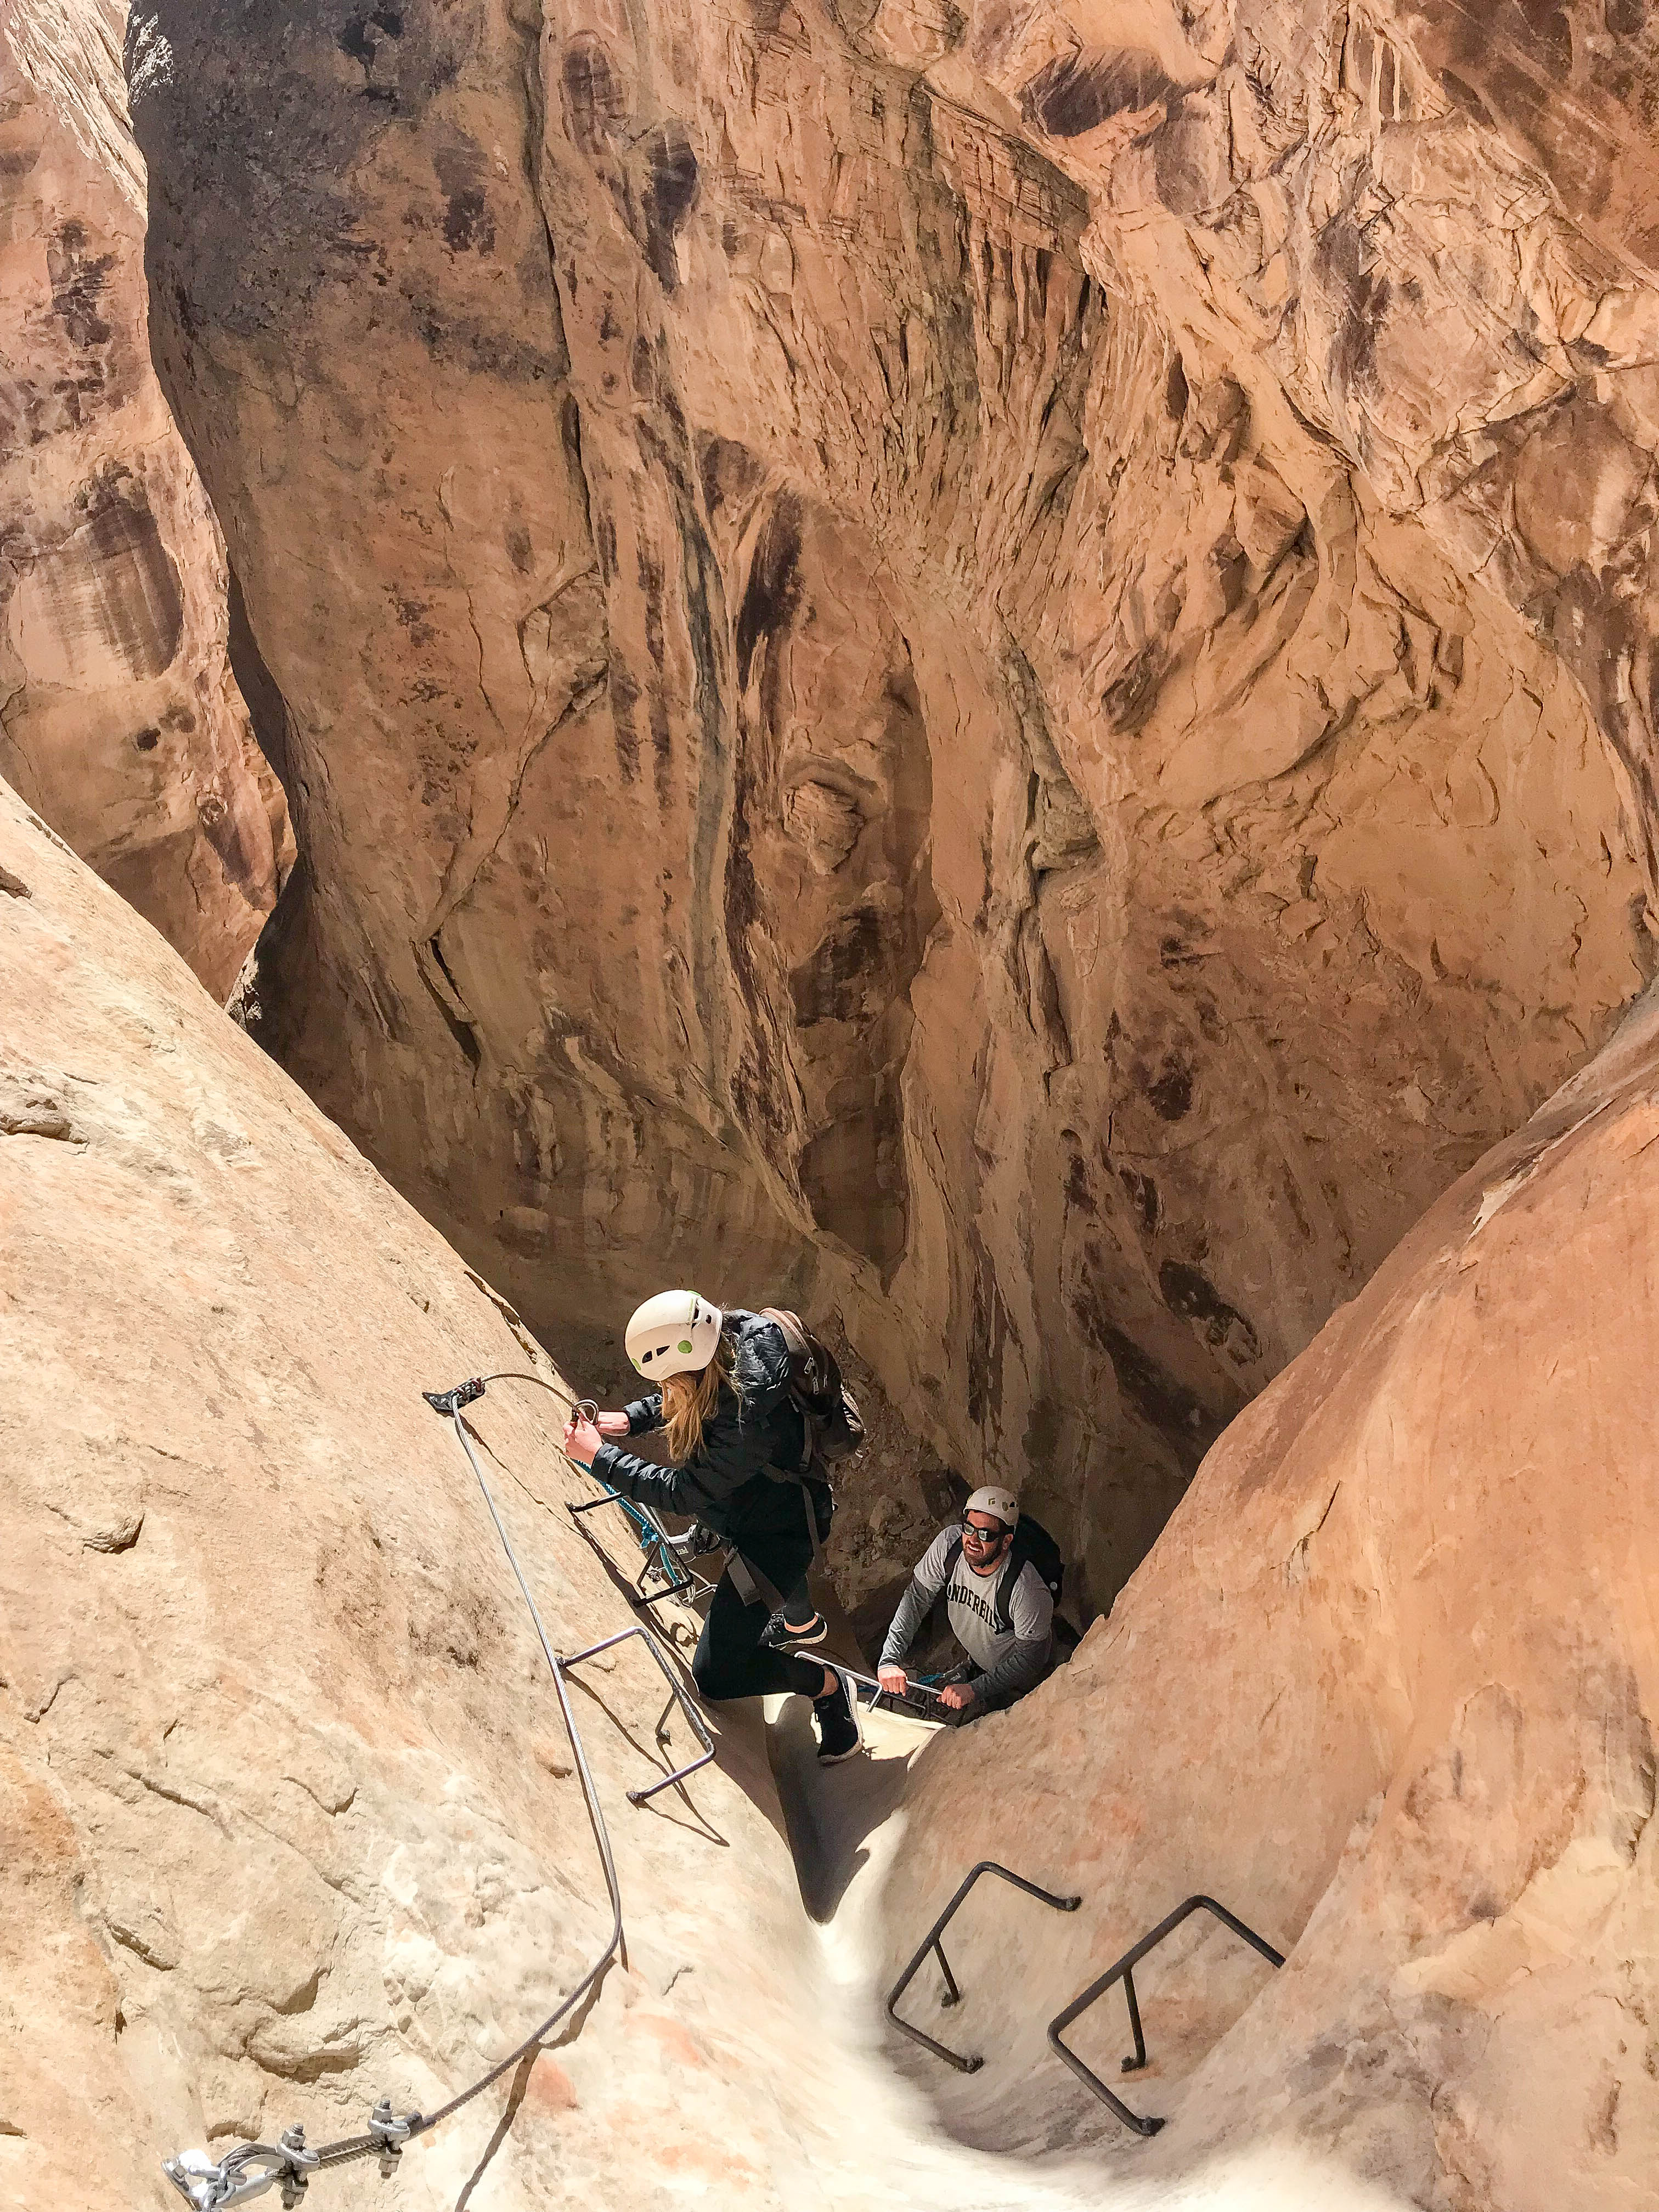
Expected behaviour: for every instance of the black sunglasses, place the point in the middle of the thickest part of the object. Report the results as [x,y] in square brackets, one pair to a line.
[984,1535]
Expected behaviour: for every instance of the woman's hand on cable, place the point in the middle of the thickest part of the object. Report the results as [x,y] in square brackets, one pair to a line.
[613,1425]
[582,1441]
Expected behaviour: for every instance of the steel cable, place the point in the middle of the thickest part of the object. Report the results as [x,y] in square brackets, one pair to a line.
[601,1834]
[388,2136]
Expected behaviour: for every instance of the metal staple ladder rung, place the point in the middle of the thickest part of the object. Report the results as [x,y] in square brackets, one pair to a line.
[1121,1970]
[676,1695]
[932,1941]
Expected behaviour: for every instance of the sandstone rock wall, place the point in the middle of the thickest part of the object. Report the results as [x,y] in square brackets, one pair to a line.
[119,717]
[289,1822]
[287,1819]
[1385,1687]
[987,665]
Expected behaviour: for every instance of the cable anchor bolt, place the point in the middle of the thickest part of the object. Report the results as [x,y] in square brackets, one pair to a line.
[391,2135]
[296,2180]
[199,2179]
[244,2173]
[451,1401]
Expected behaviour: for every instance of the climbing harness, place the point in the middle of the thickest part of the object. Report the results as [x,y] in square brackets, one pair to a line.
[1122,1969]
[251,2168]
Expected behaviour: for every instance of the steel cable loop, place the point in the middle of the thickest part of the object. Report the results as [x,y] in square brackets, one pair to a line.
[292,2160]
[521,1374]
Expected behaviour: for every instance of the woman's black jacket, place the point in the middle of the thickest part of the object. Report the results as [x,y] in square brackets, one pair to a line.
[754,1427]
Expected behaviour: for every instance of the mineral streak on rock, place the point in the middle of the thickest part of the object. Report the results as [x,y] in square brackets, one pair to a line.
[120,718]
[990,677]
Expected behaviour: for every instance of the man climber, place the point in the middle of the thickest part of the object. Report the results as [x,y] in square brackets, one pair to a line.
[1000,1609]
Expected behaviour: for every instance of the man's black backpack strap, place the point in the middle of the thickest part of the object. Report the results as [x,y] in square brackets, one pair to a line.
[952,1553]
[1033,1542]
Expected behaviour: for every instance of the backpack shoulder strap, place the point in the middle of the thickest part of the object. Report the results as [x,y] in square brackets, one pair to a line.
[788,1326]
[795,1343]
[1020,1557]
[953,1552]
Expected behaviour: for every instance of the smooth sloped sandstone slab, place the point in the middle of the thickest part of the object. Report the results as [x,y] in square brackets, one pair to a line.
[287,1816]
[1386,1687]
[119,718]
[989,665]
[291,1819]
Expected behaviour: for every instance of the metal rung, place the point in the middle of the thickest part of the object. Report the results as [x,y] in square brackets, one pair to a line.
[677,1696]
[931,1942]
[1123,1971]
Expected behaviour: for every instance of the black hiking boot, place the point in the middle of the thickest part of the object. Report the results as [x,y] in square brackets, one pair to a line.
[837,1717]
[779,1636]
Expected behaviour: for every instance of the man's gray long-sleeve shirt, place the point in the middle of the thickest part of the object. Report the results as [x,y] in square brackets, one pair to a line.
[1009,1661]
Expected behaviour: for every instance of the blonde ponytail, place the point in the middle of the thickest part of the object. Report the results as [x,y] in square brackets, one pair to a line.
[688,1402]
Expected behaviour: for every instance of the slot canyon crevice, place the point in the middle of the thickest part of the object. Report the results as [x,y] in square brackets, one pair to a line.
[984,667]
[924,661]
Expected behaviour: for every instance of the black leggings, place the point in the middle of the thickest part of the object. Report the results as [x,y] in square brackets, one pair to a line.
[731,1661]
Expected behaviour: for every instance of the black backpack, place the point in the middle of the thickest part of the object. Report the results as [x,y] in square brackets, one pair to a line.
[1031,1541]
[829,1411]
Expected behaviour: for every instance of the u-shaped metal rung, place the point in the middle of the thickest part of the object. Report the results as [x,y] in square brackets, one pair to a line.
[1123,1970]
[676,1696]
[931,1941]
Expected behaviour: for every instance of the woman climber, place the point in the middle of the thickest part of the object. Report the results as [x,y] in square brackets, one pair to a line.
[733,1430]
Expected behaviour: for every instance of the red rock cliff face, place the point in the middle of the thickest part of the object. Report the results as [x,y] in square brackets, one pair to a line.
[119,717]
[998,677]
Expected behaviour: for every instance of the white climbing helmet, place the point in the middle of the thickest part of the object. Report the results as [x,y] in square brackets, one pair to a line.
[673,1334]
[991,1499]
